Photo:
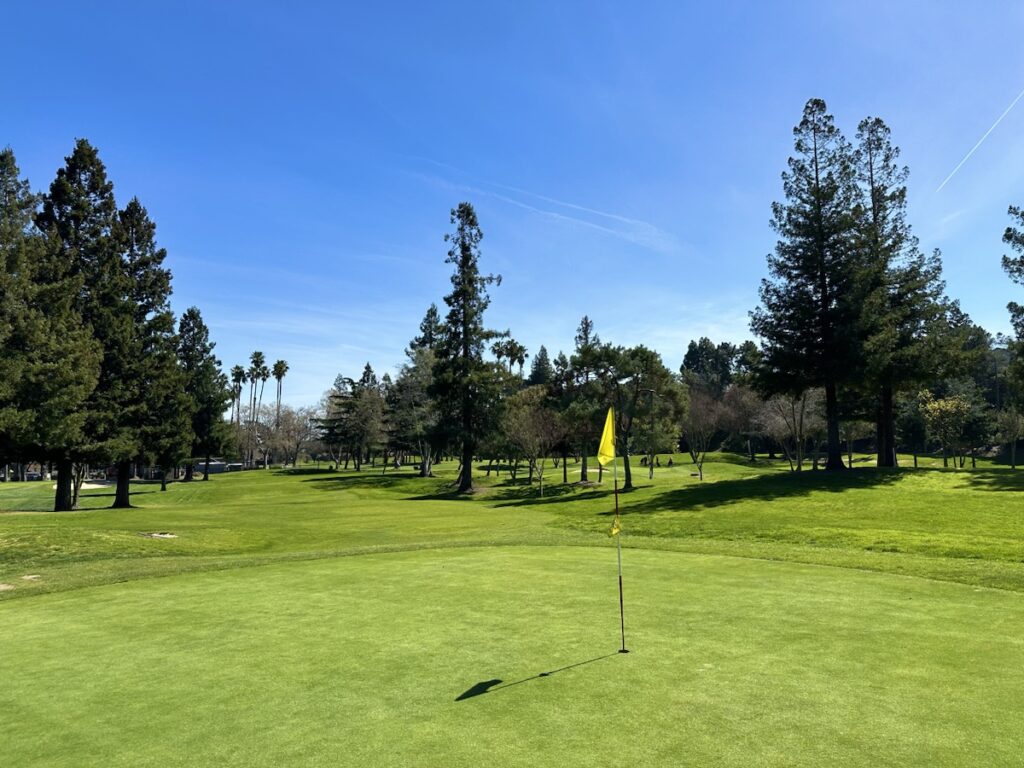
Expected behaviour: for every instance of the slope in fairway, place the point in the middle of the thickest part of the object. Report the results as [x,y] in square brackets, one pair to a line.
[375,660]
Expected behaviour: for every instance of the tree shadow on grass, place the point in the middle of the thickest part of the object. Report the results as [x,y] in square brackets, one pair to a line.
[302,471]
[994,479]
[762,488]
[369,479]
[84,495]
[496,684]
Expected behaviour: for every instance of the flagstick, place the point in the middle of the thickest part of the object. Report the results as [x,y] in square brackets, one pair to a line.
[618,543]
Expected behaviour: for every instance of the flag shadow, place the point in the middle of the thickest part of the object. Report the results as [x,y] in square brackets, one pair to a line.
[496,684]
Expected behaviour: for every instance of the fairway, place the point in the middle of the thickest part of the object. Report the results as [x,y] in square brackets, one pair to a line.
[256,647]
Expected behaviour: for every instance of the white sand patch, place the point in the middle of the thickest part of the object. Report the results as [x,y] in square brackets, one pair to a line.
[6,587]
[31,577]
[90,486]
[160,535]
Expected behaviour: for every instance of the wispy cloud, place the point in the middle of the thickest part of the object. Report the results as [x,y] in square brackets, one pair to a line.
[980,142]
[632,230]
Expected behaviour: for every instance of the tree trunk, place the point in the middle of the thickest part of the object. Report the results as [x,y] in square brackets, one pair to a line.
[583,469]
[206,471]
[62,499]
[189,471]
[565,466]
[628,484]
[886,432]
[122,499]
[1013,455]
[163,479]
[835,451]
[466,472]
[76,483]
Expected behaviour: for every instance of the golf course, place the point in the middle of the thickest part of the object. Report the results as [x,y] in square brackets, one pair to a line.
[314,617]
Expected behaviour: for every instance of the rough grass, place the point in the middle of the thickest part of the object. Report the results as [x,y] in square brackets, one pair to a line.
[389,623]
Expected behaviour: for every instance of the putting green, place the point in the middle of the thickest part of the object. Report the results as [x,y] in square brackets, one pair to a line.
[362,661]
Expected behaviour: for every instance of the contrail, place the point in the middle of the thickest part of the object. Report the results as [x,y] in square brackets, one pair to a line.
[975,147]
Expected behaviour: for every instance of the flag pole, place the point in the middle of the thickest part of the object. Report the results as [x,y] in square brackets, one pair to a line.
[618,544]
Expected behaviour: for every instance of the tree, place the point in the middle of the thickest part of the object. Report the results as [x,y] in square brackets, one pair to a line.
[1014,265]
[588,401]
[790,421]
[297,428]
[50,361]
[708,365]
[541,371]
[533,427]
[945,418]
[80,219]
[810,304]
[279,370]
[739,408]
[636,382]
[460,374]
[902,288]
[1009,430]
[156,410]
[206,386]
[238,378]
[703,419]
[258,374]
[431,331]
[412,414]
[510,350]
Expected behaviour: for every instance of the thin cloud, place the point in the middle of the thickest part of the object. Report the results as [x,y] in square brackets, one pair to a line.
[980,141]
[636,231]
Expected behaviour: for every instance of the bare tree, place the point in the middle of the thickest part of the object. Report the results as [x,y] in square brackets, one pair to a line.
[740,405]
[790,421]
[702,423]
[533,428]
[297,428]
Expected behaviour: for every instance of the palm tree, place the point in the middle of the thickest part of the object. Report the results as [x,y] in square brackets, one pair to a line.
[238,378]
[257,364]
[279,370]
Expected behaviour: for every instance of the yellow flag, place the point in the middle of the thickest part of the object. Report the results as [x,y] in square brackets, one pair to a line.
[616,528]
[606,451]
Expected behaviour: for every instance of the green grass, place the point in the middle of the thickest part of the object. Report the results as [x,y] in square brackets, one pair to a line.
[316,618]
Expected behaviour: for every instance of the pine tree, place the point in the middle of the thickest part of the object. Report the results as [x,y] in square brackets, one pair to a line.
[79,218]
[902,288]
[810,302]
[155,409]
[461,375]
[431,330]
[541,371]
[206,385]
[1014,265]
[50,361]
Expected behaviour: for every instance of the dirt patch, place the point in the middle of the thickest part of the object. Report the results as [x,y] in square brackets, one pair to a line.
[31,577]
[6,587]
[159,535]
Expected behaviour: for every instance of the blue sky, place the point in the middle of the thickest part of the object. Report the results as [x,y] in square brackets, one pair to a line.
[300,159]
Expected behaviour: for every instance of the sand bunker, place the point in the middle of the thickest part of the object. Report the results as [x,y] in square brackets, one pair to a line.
[159,535]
